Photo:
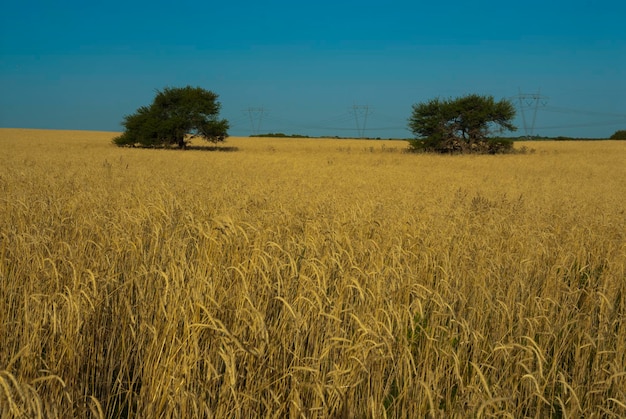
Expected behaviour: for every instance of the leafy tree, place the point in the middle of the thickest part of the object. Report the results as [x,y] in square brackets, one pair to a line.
[619,135]
[175,116]
[461,125]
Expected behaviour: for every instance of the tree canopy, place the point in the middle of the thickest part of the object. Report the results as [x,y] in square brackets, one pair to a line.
[461,125]
[175,116]
[619,135]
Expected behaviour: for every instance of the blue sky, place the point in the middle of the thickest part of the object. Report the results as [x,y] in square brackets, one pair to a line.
[316,68]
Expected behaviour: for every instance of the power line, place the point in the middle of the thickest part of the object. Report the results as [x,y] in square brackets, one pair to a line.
[585,125]
[583,112]
[364,120]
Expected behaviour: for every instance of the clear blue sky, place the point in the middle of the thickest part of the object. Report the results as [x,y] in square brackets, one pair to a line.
[285,66]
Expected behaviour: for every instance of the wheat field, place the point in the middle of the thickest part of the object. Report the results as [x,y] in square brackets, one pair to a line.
[310,278]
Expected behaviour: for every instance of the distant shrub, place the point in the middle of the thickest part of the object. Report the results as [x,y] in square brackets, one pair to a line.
[500,145]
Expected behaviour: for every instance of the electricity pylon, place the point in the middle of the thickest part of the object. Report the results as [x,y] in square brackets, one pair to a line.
[530,101]
[360,118]
[256,116]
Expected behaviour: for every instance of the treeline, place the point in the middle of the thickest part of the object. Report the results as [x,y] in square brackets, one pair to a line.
[336,137]
[558,138]
[520,138]
[280,135]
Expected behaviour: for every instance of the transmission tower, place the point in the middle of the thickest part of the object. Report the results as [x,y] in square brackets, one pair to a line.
[360,118]
[530,102]
[256,116]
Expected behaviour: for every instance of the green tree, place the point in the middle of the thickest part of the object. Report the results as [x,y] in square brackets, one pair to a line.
[175,116]
[461,125]
[619,135]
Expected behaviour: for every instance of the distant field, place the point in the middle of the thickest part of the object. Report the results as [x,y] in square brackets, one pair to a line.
[310,278]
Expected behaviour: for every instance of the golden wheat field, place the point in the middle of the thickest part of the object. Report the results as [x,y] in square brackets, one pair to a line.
[310,278]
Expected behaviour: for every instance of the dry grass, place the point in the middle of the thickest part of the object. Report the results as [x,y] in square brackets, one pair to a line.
[310,278]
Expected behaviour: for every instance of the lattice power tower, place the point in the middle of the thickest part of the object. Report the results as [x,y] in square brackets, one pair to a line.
[360,117]
[530,102]
[256,116]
